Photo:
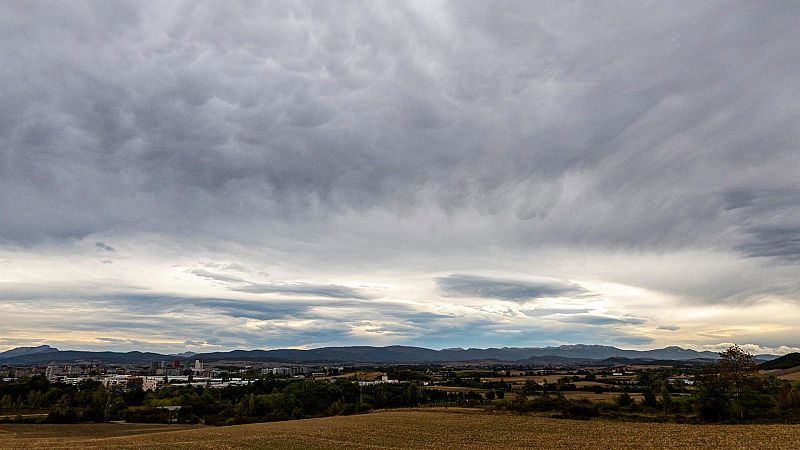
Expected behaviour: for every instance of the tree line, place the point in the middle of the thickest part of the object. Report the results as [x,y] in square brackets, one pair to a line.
[266,399]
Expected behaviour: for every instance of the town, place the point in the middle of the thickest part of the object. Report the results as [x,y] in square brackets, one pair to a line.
[159,374]
[464,384]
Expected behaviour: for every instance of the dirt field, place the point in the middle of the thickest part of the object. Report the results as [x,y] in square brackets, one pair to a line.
[792,374]
[438,429]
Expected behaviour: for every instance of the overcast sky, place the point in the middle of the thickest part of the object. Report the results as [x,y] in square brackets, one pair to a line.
[206,176]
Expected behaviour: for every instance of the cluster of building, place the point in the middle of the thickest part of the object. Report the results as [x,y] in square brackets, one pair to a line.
[297,371]
[151,383]
[161,373]
[384,379]
[71,372]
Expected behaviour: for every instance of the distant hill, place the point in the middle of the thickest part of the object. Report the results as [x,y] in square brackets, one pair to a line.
[618,361]
[784,362]
[395,354]
[403,354]
[74,356]
[603,352]
[21,351]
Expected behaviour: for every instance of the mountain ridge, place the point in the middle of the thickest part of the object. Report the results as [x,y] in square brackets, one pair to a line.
[393,354]
[21,351]
[786,361]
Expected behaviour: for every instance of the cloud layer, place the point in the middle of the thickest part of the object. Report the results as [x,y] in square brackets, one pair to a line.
[481,162]
[459,285]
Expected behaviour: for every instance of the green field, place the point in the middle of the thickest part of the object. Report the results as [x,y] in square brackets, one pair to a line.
[424,429]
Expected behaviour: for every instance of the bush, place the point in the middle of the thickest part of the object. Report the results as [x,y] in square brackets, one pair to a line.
[580,410]
[624,400]
[64,416]
[143,415]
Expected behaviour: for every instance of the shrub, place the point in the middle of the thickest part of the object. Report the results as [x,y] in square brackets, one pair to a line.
[580,410]
[624,400]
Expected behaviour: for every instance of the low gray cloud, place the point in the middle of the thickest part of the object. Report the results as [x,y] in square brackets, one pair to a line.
[590,319]
[222,278]
[459,285]
[560,311]
[306,289]
[104,247]
[148,321]
[302,289]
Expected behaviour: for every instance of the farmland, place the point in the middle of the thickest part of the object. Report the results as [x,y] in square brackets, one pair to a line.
[792,374]
[82,430]
[433,429]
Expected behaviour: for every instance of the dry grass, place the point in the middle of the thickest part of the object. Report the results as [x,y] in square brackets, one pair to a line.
[522,379]
[437,429]
[606,396]
[83,430]
[457,389]
[589,384]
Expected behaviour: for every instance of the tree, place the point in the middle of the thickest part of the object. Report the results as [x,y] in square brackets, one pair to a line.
[726,386]
[649,389]
[531,388]
[738,369]
[789,397]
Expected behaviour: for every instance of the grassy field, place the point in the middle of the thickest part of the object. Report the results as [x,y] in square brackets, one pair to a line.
[431,429]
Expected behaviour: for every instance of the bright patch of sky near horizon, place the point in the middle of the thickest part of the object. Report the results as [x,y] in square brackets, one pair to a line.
[192,176]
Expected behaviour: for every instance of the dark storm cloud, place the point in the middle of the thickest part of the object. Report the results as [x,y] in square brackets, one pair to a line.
[774,241]
[175,118]
[457,285]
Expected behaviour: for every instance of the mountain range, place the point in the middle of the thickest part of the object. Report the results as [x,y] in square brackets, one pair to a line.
[395,354]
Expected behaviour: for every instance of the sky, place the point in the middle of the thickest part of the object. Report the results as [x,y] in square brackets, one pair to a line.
[193,176]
